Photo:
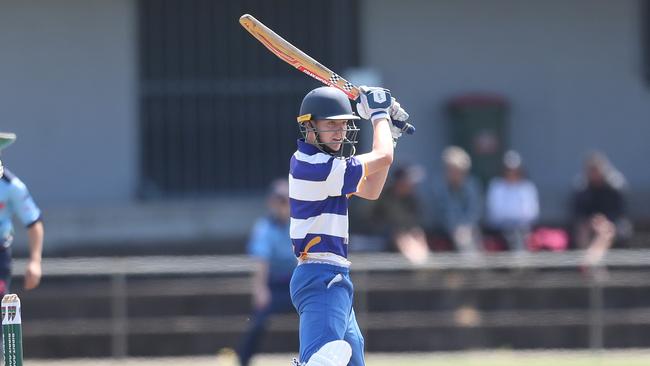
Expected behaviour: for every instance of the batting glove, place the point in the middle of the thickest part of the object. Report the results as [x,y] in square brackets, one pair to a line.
[374,103]
[397,112]
[396,133]
[399,117]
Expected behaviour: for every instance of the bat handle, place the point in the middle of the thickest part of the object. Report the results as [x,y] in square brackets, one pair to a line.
[409,129]
[404,126]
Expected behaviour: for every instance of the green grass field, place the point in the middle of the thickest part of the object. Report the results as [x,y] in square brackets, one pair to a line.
[488,358]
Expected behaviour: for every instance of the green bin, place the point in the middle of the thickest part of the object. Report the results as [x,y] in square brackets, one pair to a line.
[479,124]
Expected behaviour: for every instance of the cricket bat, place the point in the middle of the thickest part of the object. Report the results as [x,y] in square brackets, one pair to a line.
[300,60]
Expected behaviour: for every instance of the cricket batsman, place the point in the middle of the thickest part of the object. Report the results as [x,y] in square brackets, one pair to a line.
[16,200]
[321,181]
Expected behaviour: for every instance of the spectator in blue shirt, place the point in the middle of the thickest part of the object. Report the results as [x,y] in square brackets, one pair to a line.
[270,247]
[459,202]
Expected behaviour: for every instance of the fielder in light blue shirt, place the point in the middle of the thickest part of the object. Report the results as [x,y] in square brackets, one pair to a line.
[15,200]
[270,248]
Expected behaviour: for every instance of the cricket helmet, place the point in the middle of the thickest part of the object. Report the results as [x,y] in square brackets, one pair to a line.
[328,103]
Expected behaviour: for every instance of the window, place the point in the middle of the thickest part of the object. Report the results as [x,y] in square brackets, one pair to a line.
[217,110]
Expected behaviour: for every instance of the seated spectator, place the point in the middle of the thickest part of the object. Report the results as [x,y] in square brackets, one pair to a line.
[458,202]
[512,205]
[365,233]
[398,213]
[599,208]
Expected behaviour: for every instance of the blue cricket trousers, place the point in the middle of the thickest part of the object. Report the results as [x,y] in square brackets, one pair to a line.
[280,303]
[322,294]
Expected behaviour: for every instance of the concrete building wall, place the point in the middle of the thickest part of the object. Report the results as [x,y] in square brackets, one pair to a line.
[68,89]
[571,69]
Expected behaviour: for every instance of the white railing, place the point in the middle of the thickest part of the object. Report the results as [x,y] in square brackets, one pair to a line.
[120,268]
[217,264]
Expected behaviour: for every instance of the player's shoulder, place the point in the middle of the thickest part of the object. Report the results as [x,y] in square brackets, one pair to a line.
[351,160]
[265,226]
[12,181]
[317,158]
[262,223]
[316,167]
[9,177]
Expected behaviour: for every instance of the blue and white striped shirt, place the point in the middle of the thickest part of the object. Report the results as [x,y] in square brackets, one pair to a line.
[319,189]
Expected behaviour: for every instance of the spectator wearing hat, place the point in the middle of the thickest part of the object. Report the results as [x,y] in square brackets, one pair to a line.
[458,202]
[599,210]
[399,215]
[512,204]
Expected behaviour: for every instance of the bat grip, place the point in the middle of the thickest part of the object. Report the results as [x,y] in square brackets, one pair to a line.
[409,129]
[404,126]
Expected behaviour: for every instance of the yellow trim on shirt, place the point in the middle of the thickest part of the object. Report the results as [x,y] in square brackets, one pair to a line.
[315,240]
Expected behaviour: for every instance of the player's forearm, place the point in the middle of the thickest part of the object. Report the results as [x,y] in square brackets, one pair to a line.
[381,155]
[377,161]
[382,143]
[35,235]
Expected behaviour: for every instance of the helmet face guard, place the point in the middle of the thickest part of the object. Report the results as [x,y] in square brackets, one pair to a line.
[348,145]
[328,103]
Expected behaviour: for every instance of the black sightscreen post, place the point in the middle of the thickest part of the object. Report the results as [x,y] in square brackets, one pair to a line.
[645,38]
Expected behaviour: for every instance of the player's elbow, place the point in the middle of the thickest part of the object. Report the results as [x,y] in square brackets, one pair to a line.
[368,194]
[386,159]
[373,196]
